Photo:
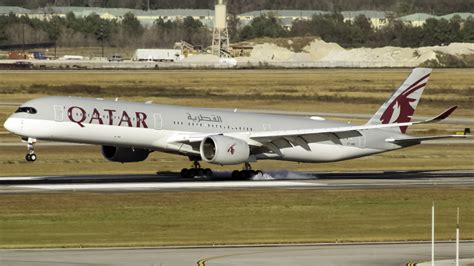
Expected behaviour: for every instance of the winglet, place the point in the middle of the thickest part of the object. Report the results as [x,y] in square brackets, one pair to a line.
[442,115]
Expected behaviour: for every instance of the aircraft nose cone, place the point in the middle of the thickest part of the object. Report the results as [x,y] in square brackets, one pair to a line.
[12,125]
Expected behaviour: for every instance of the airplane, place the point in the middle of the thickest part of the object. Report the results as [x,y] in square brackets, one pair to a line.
[129,132]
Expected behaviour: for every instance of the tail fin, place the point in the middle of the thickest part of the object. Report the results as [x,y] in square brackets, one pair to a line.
[402,104]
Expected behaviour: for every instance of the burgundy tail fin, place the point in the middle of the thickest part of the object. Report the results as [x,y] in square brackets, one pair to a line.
[402,104]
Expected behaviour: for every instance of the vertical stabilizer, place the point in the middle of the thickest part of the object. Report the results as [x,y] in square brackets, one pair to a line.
[402,104]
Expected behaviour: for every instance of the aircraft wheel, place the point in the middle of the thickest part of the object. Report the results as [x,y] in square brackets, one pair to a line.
[248,174]
[184,173]
[191,173]
[199,172]
[235,174]
[31,157]
[207,172]
[252,173]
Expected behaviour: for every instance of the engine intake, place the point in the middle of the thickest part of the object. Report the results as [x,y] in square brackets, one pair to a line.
[124,155]
[224,150]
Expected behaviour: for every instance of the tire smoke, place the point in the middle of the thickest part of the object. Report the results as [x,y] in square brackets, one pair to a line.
[283,175]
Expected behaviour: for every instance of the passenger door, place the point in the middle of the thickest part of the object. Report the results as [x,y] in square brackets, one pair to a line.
[158,121]
[58,113]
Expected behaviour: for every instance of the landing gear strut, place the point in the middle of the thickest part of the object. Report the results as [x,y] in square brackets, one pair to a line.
[246,173]
[196,171]
[31,156]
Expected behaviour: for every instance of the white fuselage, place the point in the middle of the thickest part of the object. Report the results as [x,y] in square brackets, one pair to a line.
[166,128]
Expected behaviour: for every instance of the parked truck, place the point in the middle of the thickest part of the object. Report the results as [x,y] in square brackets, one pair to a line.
[158,55]
[26,55]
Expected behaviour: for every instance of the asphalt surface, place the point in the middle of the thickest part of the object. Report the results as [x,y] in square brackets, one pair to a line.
[323,254]
[222,181]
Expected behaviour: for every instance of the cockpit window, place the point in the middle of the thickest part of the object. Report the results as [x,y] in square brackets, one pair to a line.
[29,110]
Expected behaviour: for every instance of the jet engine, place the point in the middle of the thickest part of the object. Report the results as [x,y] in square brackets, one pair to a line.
[223,150]
[124,155]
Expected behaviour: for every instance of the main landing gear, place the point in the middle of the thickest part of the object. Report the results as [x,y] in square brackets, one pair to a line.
[31,156]
[246,173]
[196,171]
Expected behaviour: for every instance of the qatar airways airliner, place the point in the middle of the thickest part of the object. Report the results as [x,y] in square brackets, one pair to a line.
[129,132]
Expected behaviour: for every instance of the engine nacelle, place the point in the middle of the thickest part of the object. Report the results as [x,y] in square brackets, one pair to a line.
[124,155]
[222,150]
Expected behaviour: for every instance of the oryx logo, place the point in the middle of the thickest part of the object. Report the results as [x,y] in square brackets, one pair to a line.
[231,149]
[401,109]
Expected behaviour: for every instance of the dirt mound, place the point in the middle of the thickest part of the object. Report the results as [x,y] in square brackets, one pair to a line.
[321,51]
[319,48]
[270,52]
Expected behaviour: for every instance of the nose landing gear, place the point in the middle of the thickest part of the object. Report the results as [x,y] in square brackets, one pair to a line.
[31,156]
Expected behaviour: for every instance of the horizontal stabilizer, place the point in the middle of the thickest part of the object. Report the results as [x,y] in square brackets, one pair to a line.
[443,115]
[418,140]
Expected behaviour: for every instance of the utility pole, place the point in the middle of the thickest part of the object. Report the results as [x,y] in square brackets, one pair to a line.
[432,233]
[457,240]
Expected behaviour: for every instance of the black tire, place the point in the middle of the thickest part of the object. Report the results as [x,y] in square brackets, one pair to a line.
[252,173]
[33,157]
[245,174]
[184,173]
[207,172]
[28,158]
[200,172]
[191,173]
[236,174]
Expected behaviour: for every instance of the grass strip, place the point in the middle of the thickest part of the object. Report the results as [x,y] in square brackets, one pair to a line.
[231,217]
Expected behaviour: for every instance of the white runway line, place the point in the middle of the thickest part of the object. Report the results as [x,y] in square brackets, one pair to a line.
[172,185]
[21,178]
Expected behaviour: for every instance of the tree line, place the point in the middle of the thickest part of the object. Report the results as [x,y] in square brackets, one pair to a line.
[72,31]
[361,33]
[92,30]
[400,7]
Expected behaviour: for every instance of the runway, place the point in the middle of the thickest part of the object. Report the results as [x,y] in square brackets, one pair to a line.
[270,180]
[320,254]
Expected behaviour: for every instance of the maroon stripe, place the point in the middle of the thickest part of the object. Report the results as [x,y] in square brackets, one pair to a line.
[414,89]
[414,84]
